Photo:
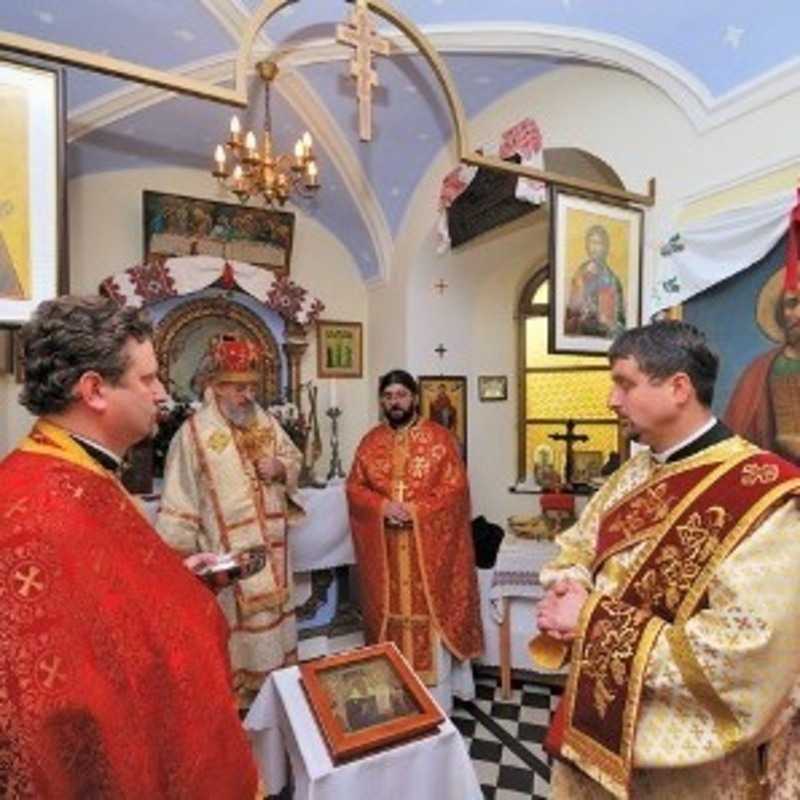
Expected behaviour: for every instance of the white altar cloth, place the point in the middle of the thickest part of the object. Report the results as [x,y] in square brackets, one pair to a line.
[280,720]
[319,540]
[322,538]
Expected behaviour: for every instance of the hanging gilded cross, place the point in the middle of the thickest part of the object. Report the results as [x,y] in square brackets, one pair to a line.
[359,32]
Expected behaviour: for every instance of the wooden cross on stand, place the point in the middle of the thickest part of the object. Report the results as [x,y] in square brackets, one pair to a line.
[359,32]
[569,438]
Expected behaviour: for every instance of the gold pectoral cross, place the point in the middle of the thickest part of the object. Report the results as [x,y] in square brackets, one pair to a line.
[359,32]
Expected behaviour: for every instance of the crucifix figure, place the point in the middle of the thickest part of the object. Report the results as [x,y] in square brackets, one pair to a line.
[359,32]
[569,438]
[441,286]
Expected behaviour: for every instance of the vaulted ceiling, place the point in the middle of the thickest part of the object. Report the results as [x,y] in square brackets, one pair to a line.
[706,55]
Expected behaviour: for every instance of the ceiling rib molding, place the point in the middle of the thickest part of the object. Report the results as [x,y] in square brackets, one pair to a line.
[327,132]
[235,19]
[299,94]
[231,15]
[704,111]
[172,81]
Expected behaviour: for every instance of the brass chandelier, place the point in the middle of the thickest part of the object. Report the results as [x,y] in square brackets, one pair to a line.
[258,171]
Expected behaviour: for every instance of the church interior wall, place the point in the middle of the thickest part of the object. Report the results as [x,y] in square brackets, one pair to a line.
[105,236]
[619,117]
[634,127]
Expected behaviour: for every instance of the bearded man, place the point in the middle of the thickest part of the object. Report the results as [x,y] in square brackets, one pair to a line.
[230,474]
[410,518]
[764,406]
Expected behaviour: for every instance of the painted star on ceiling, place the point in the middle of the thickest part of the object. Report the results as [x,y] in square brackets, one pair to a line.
[733,36]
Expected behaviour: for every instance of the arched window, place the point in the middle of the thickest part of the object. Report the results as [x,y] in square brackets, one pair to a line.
[556,388]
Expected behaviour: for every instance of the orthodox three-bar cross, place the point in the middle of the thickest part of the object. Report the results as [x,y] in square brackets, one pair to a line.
[569,438]
[359,32]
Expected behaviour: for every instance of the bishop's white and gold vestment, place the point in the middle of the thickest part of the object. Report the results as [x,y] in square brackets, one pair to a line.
[213,501]
[688,648]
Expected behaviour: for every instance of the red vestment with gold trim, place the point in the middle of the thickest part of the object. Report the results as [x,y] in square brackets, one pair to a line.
[419,465]
[114,675]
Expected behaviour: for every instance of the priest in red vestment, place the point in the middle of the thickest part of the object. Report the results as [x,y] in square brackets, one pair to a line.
[114,678]
[410,518]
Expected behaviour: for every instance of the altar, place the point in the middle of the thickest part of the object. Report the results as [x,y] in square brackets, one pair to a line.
[280,721]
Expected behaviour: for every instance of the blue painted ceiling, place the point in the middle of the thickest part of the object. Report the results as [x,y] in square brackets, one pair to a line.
[718,46]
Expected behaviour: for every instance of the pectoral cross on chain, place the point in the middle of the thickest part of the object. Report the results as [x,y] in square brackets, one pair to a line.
[359,32]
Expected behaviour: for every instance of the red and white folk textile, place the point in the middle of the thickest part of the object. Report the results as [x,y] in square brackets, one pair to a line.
[524,140]
[114,676]
[162,277]
[418,582]
[213,501]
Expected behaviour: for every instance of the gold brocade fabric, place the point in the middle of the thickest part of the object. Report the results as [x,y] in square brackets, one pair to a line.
[213,501]
[705,695]
[417,583]
[409,624]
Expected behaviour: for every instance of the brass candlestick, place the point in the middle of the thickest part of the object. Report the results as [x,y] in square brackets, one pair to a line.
[335,470]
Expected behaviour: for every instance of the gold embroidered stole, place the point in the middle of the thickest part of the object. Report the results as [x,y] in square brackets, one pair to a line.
[267,589]
[46,438]
[409,624]
[691,520]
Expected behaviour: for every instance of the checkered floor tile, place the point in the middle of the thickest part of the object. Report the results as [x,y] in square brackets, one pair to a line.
[504,737]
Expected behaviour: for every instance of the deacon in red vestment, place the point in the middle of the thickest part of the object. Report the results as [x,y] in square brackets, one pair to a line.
[114,679]
[410,518]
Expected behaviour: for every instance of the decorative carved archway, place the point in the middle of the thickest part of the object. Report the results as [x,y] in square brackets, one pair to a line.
[183,334]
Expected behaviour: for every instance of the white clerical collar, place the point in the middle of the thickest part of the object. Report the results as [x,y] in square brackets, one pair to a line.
[665,454]
[97,446]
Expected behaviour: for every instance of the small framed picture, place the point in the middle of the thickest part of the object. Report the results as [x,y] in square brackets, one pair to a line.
[586,465]
[443,399]
[492,387]
[367,698]
[339,349]
[596,267]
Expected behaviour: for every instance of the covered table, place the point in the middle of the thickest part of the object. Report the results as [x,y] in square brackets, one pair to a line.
[322,538]
[513,590]
[280,721]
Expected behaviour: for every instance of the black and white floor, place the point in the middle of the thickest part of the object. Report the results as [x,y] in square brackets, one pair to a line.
[504,737]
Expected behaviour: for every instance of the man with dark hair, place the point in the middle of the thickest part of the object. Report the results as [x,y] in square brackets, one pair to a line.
[114,676]
[677,592]
[410,518]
